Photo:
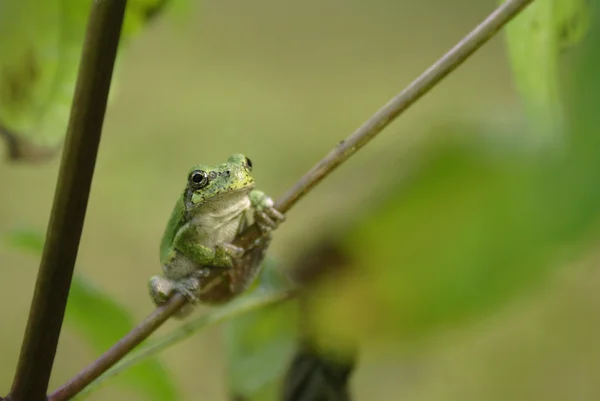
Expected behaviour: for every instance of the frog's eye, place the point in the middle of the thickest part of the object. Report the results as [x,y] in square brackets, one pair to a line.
[198,179]
[249,163]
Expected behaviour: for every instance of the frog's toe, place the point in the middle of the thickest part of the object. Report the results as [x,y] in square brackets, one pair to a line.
[201,273]
[264,222]
[188,288]
[232,250]
[275,215]
[268,219]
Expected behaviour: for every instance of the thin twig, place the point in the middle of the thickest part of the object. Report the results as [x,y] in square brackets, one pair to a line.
[374,125]
[218,315]
[398,104]
[117,351]
[70,201]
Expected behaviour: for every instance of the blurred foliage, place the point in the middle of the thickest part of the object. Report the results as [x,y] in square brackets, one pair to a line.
[39,61]
[102,322]
[260,344]
[268,293]
[478,221]
[535,40]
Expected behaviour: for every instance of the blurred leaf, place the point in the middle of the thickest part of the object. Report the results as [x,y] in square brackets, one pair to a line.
[27,241]
[273,290]
[39,60]
[260,343]
[535,39]
[573,19]
[477,223]
[102,322]
[484,217]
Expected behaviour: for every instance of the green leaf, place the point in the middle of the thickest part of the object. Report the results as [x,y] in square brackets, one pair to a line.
[272,291]
[261,343]
[573,19]
[535,40]
[39,61]
[477,223]
[102,321]
[28,241]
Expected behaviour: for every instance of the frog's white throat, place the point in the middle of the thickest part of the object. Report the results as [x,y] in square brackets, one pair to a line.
[219,219]
[221,204]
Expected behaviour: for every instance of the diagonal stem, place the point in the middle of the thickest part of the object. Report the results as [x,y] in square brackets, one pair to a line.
[373,126]
[120,349]
[399,103]
[70,202]
[216,316]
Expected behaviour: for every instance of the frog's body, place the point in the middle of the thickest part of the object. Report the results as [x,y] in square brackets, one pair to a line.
[212,224]
[196,252]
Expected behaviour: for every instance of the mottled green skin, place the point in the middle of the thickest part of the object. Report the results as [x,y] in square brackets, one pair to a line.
[220,192]
[196,252]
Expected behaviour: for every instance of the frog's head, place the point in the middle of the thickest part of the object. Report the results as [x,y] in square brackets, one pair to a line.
[206,183]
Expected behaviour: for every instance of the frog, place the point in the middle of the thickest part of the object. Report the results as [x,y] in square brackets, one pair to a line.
[197,254]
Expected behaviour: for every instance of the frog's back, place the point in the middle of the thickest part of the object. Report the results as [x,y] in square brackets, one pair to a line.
[174,223]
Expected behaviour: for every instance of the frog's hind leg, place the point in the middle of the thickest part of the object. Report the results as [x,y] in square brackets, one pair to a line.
[187,243]
[162,289]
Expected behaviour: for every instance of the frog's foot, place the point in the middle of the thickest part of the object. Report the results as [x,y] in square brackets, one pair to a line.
[160,289]
[268,219]
[225,253]
[188,287]
[265,215]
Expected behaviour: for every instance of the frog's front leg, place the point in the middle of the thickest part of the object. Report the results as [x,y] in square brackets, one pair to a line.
[265,215]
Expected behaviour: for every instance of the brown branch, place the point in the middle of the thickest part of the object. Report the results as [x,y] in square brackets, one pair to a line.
[70,202]
[215,316]
[433,75]
[398,104]
[120,349]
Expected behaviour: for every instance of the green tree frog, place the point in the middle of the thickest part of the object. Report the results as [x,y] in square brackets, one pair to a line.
[197,255]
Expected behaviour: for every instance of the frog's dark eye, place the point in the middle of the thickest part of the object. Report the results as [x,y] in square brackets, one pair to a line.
[249,163]
[198,179]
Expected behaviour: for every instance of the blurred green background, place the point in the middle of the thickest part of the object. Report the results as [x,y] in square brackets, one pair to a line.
[283,83]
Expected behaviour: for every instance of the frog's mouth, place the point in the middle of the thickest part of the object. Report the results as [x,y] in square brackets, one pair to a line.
[246,188]
[213,198]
